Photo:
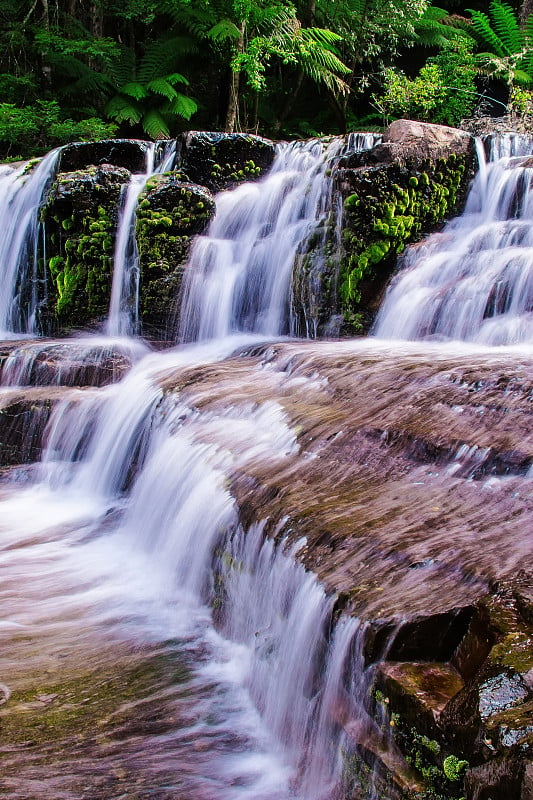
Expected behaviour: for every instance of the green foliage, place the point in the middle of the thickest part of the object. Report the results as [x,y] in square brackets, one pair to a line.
[454,768]
[146,94]
[35,128]
[443,92]
[509,53]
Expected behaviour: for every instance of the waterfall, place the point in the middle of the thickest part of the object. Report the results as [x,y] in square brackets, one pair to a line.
[22,191]
[474,280]
[123,319]
[239,273]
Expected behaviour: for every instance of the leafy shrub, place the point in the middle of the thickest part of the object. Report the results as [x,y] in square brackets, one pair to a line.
[34,129]
[444,91]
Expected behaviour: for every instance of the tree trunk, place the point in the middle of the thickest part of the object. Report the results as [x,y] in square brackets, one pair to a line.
[526,8]
[233,104]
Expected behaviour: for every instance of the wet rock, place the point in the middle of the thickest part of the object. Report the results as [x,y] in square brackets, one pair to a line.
[406,140]
[67,363]
[420,638]
[171,212]
[221,160]
[499,779]
[419,692]
[500,693]
[81,217]
[127,153]
[23,419]
[387,206]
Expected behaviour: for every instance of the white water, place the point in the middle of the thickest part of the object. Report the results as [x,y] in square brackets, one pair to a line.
[21,195]
[151,474]
[239,273]
[123,319]
[474,280]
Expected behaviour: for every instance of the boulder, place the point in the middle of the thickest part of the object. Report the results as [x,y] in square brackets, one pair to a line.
[222,160]
[408,140]
[81,217]
[127,153]
[170,213]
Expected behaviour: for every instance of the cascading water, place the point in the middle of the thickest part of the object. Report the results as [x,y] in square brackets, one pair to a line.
[239,274]
[127,539]
[474,280]
[22,191]
[123,319]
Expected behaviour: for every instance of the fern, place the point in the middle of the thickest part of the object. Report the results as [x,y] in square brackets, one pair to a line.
[225,30]
[162,87]
[155,125]
[181,106]
[481,25]
[135,90]
[506,26]
[122,109]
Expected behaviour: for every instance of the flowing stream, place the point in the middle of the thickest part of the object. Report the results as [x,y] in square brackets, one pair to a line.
[133,593]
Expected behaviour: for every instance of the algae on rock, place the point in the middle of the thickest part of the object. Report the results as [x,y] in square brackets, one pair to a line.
[81,217]
[170,213]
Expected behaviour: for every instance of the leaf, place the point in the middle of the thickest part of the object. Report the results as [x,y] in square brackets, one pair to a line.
[481,25]
[134,89]
[176,77]
[122,109]
[223,31]
[163,87]
[181,106]
[506,25]
[154,125]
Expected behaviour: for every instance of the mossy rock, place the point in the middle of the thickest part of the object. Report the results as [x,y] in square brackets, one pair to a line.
[81,218]
[170,213]
[222,160]
[127,153]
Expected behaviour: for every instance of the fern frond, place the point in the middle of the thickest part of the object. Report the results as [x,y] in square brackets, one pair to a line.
[154,125]
[321,36]
[506,25]
[181,106]
[522,77]
[177,77]
[122,109]
[482,27]
[163,87]
[223,31]
[197,21]
[134,89]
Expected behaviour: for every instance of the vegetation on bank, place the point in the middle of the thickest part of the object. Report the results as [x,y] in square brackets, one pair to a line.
[71,71]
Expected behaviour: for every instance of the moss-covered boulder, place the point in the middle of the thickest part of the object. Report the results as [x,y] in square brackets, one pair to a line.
[81,217]
[169,215]
[383,200]
[221,160]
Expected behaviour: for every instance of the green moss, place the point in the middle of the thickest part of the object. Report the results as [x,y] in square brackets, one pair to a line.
[390,208]
[454,768]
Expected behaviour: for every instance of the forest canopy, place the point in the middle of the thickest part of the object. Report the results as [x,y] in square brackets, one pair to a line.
[89,69]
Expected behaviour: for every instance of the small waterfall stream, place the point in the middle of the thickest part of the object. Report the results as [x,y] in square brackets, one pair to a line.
[21,194]
[474,280]
[123,319]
